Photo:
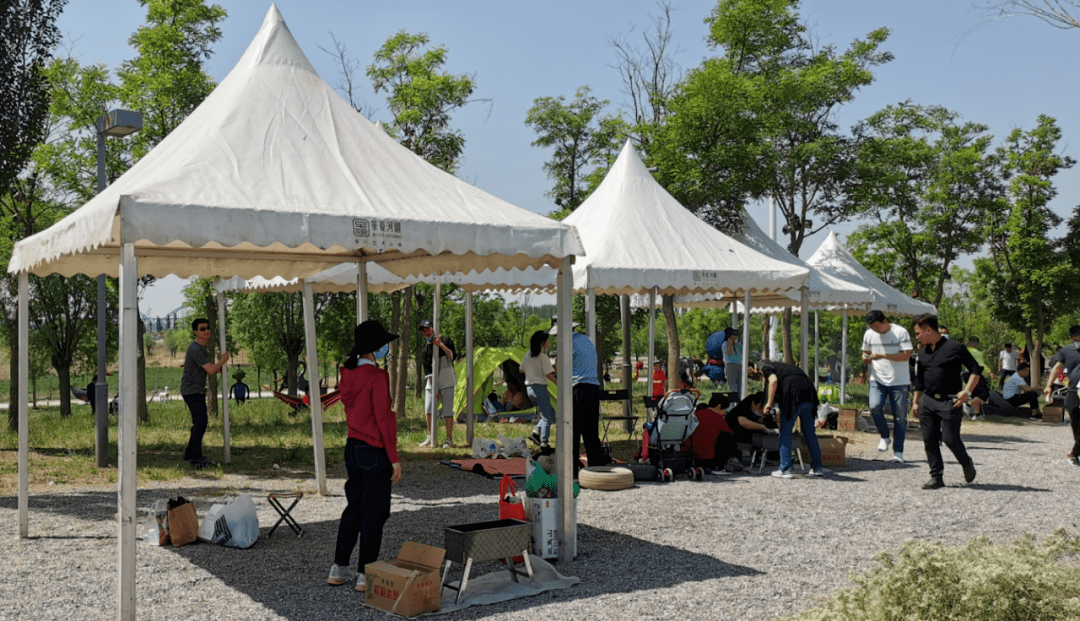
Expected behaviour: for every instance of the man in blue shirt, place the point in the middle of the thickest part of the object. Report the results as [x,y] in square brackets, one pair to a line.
[586,401]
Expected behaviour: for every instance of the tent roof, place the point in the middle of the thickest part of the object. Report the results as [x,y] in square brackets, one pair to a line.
[340,278]
[274,174]
[824,291]
[833,258]
[638,237]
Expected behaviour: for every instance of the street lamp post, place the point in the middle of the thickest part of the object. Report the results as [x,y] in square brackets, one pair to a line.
[114,123]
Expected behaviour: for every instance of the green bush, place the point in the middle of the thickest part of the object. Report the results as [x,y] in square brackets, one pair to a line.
[980,581]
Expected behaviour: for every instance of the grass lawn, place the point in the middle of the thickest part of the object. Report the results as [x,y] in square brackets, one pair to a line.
[265,433]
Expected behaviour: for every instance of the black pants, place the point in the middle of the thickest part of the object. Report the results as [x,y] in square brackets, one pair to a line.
[1020,399]
[1072,408]
[724,449]
[368,493]
[197,406]
[587,423]
[939,422]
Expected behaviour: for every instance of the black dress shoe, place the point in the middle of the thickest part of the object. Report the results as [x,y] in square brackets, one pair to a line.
[934,483]
[969,472]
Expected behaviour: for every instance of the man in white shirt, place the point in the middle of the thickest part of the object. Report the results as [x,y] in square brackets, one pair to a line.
[1007,363]
[1017,391]
[886,351]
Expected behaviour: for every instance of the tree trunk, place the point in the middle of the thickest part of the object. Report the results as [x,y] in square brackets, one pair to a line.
[395,346]
[601,353]
[668,303]
[143,409]
[13,389]
[403,353]
[292,366]
[63,376]
[789,355]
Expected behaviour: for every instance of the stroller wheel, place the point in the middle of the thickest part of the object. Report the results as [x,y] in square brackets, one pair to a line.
[668,474]
[700,473]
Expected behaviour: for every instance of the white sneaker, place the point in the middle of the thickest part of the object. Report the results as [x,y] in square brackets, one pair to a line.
[427,443]
[898,458]
[783,474]
[883,445]
[361,583]
[819,472]
[448,444]
[340,575]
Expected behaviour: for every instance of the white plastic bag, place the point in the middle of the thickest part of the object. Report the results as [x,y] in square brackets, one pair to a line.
[514,447]
[483,448]
[235,525]
[206,528]
[156,527]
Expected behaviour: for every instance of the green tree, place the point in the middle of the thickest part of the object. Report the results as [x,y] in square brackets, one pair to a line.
[929,182]
[166,81]
[1028,275]
[421,96]
[28,30]
[759,123]
[29,34]
[584,142]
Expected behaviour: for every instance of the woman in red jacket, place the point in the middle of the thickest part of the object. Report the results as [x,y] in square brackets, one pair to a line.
[371,457]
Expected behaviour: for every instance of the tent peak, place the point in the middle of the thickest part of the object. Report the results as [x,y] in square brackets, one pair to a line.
[273,15]
[275,45]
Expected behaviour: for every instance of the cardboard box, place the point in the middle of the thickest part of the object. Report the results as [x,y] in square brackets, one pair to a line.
[833,450]
[544,514]
[408,585]
[848,420]
[1053,414]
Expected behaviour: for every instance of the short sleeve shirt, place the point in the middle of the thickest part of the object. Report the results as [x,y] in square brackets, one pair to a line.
[193,381]
[1008,359]
[1013,386]
[894,341]
[584,360]
[536,368]
[1069,357]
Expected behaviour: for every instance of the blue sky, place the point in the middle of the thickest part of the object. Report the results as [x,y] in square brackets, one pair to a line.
[1002,73]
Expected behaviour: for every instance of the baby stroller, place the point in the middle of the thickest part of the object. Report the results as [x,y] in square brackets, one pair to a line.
[675,421]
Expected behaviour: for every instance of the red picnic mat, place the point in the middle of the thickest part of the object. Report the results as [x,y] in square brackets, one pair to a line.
[515,467]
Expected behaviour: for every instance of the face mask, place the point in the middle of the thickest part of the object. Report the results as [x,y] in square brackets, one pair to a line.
[429,338]
[382,351]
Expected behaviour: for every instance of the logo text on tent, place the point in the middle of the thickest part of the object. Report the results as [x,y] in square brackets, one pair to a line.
[377,228]
[706,275]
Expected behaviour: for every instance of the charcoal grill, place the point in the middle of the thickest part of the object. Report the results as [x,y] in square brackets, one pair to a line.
[487,541]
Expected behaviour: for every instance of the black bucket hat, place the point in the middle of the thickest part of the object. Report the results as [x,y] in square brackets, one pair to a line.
[425,323]
[368,337]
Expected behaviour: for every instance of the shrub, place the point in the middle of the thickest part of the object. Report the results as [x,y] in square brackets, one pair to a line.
[980,581]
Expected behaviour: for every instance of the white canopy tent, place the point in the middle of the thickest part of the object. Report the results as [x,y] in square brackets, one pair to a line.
[275,175]
[823,291]
[834,259]
[640,240]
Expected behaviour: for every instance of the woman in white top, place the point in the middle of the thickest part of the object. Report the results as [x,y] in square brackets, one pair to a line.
[538,372]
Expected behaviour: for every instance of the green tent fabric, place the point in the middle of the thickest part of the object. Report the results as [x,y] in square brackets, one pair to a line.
[486,361]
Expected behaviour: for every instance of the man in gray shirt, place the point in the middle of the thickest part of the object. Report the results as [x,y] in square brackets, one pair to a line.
[193,389]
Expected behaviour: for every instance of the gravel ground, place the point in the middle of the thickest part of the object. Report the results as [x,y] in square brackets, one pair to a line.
[742,547]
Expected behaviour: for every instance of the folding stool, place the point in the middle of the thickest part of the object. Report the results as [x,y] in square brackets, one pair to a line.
[275,502]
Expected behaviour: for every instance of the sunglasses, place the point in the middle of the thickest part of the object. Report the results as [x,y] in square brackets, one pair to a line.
[206,329]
